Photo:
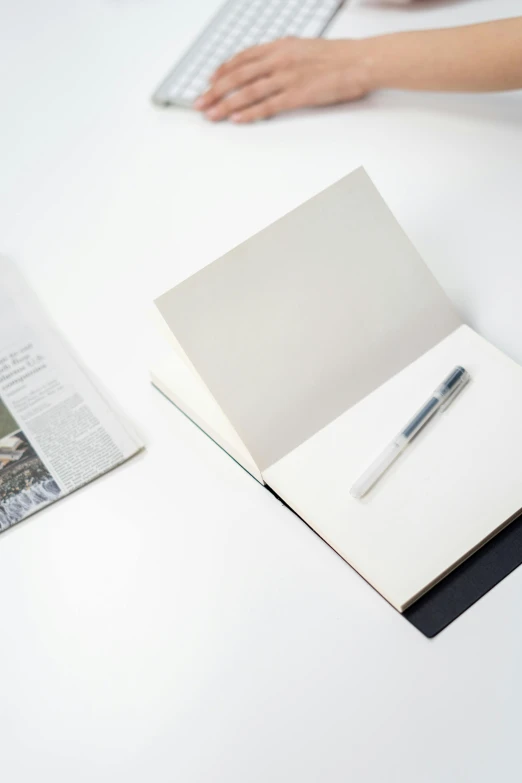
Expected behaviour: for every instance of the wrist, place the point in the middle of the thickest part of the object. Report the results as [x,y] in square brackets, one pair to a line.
[370,60]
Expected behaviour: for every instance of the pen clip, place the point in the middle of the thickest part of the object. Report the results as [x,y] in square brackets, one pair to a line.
[451,397]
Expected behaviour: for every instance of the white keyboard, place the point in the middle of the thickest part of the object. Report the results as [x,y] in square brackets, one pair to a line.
[238,25]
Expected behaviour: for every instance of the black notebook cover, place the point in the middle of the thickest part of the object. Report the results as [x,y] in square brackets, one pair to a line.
[469,582]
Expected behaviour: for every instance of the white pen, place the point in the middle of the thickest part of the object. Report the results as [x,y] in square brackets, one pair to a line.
[441,398]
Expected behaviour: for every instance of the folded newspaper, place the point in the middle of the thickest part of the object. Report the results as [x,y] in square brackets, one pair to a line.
[57,431]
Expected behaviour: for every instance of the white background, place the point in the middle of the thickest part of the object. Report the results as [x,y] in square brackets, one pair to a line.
[173,622]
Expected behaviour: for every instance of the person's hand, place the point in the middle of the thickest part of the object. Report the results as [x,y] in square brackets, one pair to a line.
[287,74]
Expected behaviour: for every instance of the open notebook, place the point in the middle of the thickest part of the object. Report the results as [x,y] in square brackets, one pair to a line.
[304,350]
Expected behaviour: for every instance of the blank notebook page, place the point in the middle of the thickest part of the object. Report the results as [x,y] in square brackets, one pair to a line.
[307,317]
[455,485]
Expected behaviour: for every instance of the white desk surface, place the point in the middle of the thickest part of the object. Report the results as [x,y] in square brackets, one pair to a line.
[173,622]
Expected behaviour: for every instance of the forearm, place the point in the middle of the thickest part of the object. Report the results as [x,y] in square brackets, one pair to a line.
[475,58]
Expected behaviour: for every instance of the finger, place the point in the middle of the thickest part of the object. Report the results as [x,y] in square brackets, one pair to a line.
[253,93]
[244,57]
[275,104]
[228,83]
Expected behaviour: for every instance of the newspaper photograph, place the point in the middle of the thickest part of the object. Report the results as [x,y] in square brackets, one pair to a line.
[57,431]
